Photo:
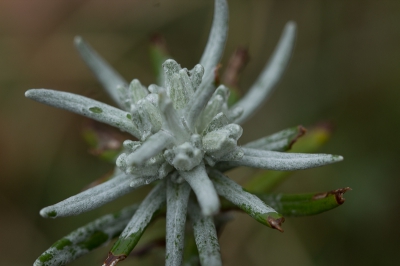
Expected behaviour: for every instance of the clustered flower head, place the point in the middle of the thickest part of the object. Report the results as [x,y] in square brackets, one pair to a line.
[187,136]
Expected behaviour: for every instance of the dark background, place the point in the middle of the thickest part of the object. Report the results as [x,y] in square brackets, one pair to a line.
[345,69]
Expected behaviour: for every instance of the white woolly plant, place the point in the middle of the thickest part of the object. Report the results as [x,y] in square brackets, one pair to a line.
[187,137]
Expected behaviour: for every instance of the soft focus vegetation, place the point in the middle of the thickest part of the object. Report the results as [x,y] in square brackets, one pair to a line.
[344,72]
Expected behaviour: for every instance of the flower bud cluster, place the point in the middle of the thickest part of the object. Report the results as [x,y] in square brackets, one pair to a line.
[213,138]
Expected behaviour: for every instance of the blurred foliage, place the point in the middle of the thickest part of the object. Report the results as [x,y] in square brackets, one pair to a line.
[344,69]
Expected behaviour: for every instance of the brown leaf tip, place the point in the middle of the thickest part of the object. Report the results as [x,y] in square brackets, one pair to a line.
[276,223]
[112,260]
[301,132]
[216,75]
[236,64]
[338,193]
[158,40]
[327,126]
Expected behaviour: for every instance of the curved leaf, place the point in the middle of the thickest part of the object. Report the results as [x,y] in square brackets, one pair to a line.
[217,38]
[108,77]
[310,142]
[86,238]
[203,188]
[87,107]
[246,201]
[90,199]
[281,161]
[270,75]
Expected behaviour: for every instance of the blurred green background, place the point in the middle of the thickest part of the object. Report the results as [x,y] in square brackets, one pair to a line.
[345,70]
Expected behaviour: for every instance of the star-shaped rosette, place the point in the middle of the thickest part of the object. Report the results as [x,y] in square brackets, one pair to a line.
[186,138]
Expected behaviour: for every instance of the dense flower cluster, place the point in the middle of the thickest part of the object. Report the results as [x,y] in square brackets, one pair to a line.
[186,138]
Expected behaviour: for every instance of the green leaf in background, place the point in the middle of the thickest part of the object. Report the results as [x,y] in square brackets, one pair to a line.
[190,253]
[305,204]
[158,55]
[234,96]
[104,141]
[266,181]
[298,204]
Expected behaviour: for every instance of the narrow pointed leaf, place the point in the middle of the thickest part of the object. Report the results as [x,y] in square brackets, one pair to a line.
[214,106]
[270,75]
[218,121]
[172,119]
[171,67]
[177,200]
[305,204]
[280,141]
[196,75]
[107,76]
[209,60]
[137,91]
[146,117]
[186,82]
[90,199]
[200,99]
[281,161]
[151,147]
[310,142]
[86,238]
[87,107]
[140,220]
[205,236]
[246,201]
[203,188]
[217,38]
[178,93]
